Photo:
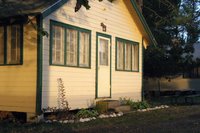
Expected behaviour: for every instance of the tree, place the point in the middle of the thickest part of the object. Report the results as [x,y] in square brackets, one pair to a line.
[85,3]
[175,24]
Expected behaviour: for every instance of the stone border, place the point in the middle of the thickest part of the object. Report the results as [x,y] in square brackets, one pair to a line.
[155,108]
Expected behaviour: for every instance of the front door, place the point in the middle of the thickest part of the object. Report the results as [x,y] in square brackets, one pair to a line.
[103,67]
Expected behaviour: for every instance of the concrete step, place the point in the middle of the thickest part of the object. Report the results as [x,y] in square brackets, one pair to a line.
[105,105]
[111,104]
[123,108]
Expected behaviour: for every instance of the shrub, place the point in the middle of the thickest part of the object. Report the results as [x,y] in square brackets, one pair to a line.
[134,105]
[85,113]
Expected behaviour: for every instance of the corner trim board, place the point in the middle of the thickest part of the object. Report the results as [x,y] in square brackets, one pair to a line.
[39,65]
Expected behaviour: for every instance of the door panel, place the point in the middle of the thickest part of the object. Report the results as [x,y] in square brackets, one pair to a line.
[103,67]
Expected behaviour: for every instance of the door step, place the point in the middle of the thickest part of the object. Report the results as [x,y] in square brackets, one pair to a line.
[110,104]
[123,108]
[103,106]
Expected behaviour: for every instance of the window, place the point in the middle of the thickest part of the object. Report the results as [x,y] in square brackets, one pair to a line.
[70,46]
[84,49]
[103,52]
[135,57]
[120,56]
[127,55]
[11,45]
[58,45]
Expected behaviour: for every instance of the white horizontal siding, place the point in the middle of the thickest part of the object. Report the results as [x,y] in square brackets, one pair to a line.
[79,82]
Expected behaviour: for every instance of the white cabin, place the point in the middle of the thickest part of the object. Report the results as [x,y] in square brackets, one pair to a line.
[98,54]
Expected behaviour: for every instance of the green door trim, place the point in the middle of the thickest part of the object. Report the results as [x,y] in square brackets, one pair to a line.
[98,34]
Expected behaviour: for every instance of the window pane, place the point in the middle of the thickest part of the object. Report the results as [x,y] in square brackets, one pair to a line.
[135,57]
[1,45]
[103,52]
[13,44]
[120,56]
[127,56]
[84,49]
[58,45]
[72,47]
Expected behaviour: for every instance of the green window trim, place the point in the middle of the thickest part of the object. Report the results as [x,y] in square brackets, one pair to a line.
[66,28]
[5,45]
[124,41]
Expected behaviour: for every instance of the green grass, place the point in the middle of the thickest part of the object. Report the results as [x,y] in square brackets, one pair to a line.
[176,119]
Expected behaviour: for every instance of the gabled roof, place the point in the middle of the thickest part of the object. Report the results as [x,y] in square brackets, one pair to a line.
[46,7]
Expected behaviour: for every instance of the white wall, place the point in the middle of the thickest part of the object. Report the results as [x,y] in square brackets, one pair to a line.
[79,82]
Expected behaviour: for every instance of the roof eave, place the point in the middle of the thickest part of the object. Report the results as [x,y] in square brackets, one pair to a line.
[53,8]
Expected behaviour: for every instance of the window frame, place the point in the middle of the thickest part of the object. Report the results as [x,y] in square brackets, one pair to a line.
[5,28]
[66,28]
[124,43]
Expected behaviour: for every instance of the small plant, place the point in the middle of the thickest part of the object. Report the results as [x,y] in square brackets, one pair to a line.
[62,110]
[144,105]
[134,105]
[85,113]
[62,102]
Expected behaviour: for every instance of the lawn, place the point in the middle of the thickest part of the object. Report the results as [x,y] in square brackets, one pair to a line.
[176,119]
